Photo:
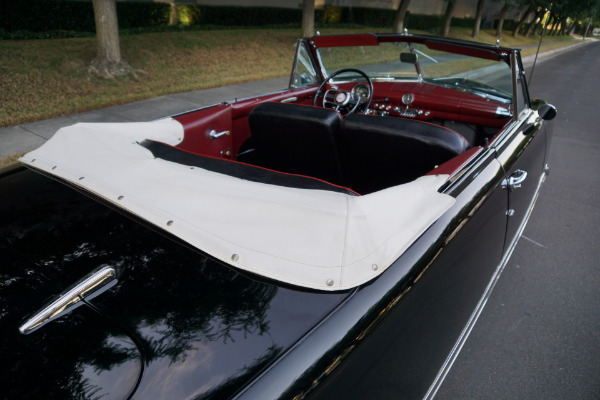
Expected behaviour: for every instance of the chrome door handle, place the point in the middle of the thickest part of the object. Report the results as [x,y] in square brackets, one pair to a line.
[515,180]
[90,287]
[215,135]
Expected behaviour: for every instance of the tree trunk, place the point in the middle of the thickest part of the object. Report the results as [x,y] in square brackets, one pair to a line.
[400,15]
[572,28]
[564,27]
[587,28]
[173,18]
[308,18]
[448,18]
[541,23]
[522,20]
[533,22]
[554,26]
[501,18]
[478,16]
[550,24]
[108,62]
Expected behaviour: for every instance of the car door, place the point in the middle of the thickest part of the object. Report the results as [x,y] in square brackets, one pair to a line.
[400,332]
[522,157]
[521,151]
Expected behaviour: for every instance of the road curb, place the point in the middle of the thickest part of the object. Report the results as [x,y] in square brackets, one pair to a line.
[528,61]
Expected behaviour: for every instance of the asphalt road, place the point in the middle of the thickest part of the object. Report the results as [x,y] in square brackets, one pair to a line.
[539,334]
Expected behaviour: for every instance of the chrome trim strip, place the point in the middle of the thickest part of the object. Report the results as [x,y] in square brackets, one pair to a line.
[439,379]
[515,98]
[512,127]
[472,164]
[89,288]
[289,100]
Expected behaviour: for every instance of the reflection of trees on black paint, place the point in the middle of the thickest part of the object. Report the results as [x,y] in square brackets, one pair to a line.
[232,385]
[183,299]
[173,298]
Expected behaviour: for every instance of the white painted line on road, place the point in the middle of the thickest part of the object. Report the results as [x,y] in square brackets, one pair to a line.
[533,241]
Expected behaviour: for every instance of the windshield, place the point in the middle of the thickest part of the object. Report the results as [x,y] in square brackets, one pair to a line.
[484,77]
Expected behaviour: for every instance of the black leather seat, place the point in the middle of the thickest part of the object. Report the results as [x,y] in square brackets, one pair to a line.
[380,152]
[297,139]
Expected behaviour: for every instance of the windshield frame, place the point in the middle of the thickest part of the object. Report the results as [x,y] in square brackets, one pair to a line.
[461,48]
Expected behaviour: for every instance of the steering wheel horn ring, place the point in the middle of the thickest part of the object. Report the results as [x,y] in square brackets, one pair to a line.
[342,99]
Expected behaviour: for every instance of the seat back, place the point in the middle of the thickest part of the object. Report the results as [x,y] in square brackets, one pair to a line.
[380,152]
[297,139]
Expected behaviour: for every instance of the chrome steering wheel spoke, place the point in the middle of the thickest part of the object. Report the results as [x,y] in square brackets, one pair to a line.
[343,101]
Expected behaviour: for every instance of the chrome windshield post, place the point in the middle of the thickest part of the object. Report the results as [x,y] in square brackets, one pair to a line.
[515,95]
[417,66]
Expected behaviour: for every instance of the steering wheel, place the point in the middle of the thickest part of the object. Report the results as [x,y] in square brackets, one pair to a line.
[341,100]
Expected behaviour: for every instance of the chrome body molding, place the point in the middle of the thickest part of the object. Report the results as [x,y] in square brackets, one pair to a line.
[462,339]
[97,283]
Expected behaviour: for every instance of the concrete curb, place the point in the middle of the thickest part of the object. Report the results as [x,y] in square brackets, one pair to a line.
[528,61]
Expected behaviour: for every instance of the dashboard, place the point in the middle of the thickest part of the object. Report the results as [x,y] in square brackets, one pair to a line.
[426,101]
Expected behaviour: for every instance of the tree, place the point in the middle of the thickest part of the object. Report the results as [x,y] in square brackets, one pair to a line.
[448,17]
[554,25]
[400,15]
[501,18]
[528,11]
[308,18]
[587,28]
[478,16]
[108,62]
[538,16]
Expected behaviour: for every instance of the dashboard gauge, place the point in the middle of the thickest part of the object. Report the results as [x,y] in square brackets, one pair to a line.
[361,91]
[408,98]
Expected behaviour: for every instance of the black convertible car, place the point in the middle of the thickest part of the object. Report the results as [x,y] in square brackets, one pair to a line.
[338,239]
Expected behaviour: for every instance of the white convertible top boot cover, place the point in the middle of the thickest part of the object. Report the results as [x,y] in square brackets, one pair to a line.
[312,238]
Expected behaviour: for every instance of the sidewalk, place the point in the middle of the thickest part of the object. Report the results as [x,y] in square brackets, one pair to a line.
[29,136]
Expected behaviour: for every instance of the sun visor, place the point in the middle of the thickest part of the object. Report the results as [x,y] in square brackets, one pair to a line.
[345,40]
[317,239]
[464,50]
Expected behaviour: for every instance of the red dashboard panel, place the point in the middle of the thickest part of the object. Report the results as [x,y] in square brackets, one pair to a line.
[435,102]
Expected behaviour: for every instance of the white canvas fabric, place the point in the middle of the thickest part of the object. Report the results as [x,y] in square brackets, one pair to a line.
[312,238]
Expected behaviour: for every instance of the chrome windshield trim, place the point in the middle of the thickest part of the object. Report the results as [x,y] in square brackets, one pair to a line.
[291,82]
[90,287]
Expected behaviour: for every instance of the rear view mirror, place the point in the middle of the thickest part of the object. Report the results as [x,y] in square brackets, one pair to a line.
[547,112]
[409,58]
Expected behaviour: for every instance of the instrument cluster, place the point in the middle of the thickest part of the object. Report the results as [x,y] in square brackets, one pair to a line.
[384,107]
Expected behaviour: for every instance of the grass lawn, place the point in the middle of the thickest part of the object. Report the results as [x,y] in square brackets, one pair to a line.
[4,161]
[41,79]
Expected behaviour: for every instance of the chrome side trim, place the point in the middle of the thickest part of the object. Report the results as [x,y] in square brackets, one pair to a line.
[89,288]
[439,379]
